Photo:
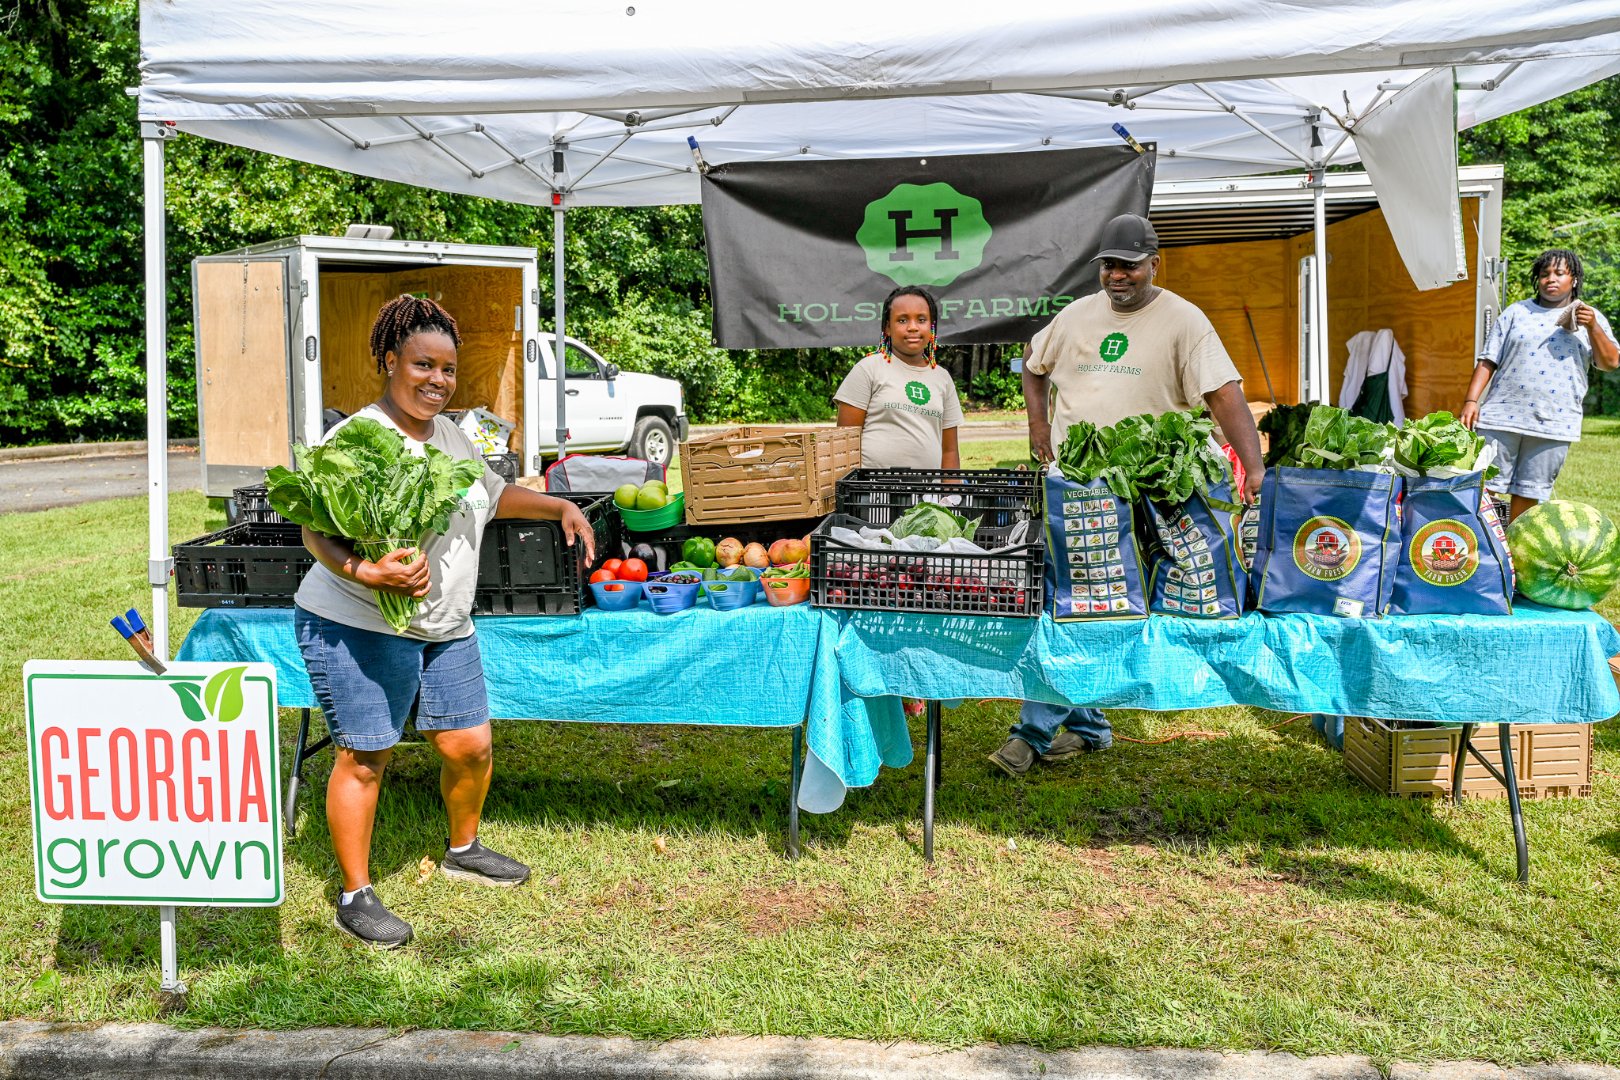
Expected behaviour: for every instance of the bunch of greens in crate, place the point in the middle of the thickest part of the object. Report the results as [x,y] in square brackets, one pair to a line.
[1334,439]
[1164,458]
[934,521]
[365,486]
[1438,440]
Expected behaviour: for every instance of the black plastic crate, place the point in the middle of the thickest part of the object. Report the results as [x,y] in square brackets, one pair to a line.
[999,498]
[505,465]
[251,564]
[525,567]
[1006,584]
[666,545]
[253,505]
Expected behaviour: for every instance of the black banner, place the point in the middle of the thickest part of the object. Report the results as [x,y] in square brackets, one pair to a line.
[802,253]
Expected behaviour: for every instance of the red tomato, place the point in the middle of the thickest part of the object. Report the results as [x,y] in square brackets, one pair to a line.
[603,574]
[612,566]
[633,570]
[617,586]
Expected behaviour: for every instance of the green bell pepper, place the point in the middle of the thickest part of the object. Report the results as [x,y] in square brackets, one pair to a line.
[699,551]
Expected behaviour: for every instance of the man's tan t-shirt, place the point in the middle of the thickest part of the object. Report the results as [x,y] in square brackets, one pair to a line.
[907,409]
[446,611]
[1106,365]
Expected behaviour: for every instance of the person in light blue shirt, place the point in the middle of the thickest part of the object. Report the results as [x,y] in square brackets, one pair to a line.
[1526,394]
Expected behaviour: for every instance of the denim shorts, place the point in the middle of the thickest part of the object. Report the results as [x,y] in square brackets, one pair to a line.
[1529,464]
[367,682]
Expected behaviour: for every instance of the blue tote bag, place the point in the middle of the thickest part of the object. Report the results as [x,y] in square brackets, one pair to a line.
[1196,564]
[1093,561]
[1454,556]
[1329,542]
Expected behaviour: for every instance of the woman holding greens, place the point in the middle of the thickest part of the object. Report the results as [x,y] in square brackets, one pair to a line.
[368,676]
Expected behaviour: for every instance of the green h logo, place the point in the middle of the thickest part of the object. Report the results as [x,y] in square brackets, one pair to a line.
[924,234]
[1113,347]
[918,393]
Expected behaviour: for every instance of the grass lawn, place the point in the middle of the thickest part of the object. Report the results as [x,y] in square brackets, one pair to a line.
[1236,893]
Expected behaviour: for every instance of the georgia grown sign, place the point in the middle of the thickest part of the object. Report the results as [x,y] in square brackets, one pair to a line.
[154,789]
[801,253]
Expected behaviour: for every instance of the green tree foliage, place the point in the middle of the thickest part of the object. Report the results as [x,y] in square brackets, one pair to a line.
[1562,166]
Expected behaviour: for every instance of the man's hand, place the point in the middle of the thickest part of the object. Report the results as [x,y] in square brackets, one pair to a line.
[575,528]
[1251,486]
[1040,441]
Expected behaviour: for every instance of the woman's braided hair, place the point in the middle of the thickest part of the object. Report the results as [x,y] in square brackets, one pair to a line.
[403,316]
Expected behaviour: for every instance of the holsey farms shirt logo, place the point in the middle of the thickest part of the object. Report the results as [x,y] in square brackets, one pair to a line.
[1326,548]
[1445,552]
[924,234]
[917,393]
[1112,347]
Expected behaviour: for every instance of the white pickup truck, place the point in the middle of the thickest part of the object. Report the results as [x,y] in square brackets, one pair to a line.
[609,410]
[282,334]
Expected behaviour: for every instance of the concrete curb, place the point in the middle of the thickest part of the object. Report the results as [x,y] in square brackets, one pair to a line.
[31,1049]
[83,450]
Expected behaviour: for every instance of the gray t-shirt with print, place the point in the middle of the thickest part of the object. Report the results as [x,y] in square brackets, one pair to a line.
[1540,380]
[446,612]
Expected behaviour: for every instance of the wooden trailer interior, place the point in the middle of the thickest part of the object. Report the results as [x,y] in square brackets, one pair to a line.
[486,303]
[243,401]
[1368,289]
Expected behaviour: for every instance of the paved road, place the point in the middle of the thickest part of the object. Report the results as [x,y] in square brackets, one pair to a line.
[81,475]
[43,483]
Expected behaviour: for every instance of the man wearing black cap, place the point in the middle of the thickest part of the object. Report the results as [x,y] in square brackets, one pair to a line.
[1133,348]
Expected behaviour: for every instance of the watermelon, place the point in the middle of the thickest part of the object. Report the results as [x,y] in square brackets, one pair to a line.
[1566,554]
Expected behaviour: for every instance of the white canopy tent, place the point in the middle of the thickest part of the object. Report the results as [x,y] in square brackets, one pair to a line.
[594,103]
[586,102]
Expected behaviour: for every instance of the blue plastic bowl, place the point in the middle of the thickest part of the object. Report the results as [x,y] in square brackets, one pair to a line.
[619,600]
[668,597]
[726,595]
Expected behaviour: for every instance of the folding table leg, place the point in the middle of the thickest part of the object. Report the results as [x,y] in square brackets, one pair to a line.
[302,752]
[796,774]
[1521,846]
[1458,761]
[930,780]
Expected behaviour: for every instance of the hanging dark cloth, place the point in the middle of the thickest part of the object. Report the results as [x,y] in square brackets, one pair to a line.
[1373,401]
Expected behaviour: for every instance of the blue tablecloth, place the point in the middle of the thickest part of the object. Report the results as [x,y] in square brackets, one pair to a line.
[1538,665]
[838,673]
[758,666]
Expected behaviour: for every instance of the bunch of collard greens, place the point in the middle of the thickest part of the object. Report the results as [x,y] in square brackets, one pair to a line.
[1334,439]
[1284,428]
[364,485]
[934,521]
[1164,458]
[1438,440]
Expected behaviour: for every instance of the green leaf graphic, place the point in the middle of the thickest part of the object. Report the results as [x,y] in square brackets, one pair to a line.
[223,694]
[190,695]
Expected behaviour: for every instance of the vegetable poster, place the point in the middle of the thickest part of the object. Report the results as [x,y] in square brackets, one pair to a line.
[802,253]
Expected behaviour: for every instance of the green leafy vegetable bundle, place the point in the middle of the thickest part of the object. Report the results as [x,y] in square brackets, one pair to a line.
[1164,458]
[934,521]
[1435,441]
[1284,428]
[365,486]
[1333,439]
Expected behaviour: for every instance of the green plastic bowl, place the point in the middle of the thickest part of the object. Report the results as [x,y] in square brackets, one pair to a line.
[667,516]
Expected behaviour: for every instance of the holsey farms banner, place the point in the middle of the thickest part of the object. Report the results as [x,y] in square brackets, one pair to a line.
[802,253]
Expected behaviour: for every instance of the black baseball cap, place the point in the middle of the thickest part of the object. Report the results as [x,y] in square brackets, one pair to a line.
[1128,237]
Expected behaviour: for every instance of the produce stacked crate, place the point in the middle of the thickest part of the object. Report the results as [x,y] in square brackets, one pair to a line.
[524,567]
[250,564]
[253,505]
[1007,583]
[1416,760]
[998,497]
[753,474]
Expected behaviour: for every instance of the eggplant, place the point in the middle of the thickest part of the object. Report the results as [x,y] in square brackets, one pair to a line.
[652,556]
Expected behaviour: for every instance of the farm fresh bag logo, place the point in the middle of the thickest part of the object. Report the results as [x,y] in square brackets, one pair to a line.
[924,234]
[1326,548]
[152,789]
[1444,552]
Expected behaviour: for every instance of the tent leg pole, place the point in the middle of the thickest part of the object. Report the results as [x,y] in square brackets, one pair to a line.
[559,345]
[157,387]
[1319,344]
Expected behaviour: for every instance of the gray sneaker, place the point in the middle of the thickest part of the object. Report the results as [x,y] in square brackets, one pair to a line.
[484,867]
[364,917]
[1068,745]
[1015,757]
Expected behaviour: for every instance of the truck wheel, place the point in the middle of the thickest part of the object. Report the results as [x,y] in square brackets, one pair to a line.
[653,441]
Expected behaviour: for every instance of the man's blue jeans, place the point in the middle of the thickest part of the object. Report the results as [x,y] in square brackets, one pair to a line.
[1039,722]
